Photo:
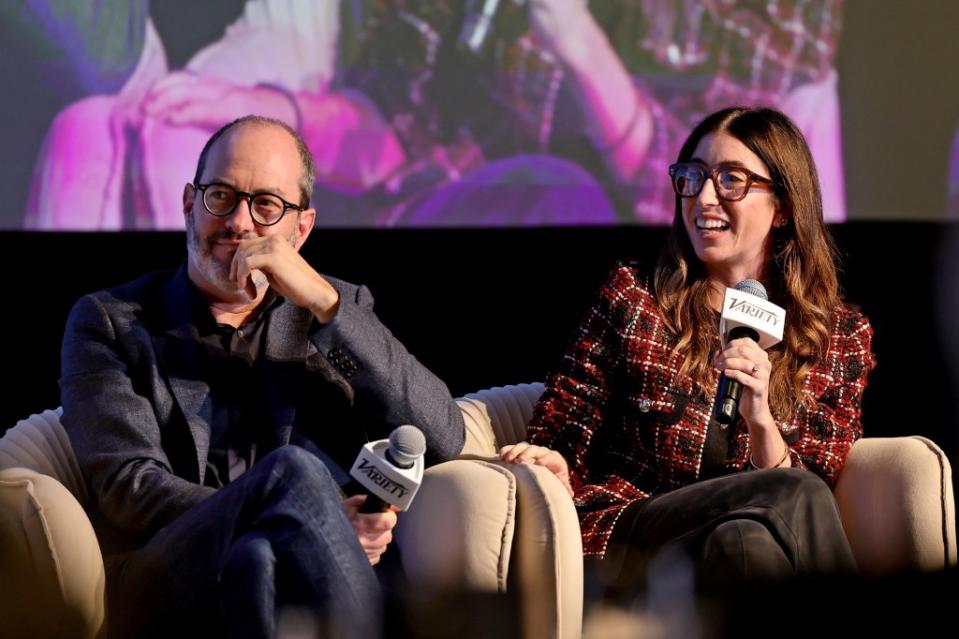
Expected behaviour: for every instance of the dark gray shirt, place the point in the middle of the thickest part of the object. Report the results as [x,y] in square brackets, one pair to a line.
[232,357]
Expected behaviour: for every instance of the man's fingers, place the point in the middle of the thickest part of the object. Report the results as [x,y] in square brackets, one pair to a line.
[374,523]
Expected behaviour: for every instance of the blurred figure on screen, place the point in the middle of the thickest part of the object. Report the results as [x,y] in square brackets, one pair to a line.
[475,112]
[114,161]
[490,95]
[628,420]
[56,52]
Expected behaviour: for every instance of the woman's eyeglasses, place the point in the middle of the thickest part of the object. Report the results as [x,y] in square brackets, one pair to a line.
[732,183]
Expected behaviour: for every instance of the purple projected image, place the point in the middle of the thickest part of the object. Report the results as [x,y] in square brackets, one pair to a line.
[120,161]
[447,113]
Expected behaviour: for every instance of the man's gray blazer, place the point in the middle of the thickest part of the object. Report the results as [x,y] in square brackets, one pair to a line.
[138,412]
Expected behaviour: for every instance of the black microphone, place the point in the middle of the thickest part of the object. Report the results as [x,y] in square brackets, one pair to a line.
[390,471]
[729,392]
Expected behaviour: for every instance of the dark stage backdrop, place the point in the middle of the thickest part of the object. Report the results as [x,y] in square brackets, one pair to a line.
[491,307]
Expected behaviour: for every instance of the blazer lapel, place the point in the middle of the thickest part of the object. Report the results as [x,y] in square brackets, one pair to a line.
[178,347]
[290,356]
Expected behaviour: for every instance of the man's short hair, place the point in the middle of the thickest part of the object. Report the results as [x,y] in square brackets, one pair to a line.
[308,176]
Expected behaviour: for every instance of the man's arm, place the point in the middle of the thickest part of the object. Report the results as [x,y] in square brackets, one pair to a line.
[113,426]
[390,385]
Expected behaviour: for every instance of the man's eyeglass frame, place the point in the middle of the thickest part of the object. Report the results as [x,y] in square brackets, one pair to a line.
[240,196]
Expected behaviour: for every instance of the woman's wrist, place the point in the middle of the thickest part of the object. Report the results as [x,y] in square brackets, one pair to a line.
[572,36]
[778,464]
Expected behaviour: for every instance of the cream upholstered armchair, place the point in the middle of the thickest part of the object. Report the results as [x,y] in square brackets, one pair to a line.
[51,570]
[500,528]
[477,525]
[512,526]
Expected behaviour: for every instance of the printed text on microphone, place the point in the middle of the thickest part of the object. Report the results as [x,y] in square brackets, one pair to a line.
[381,480]
[754,311]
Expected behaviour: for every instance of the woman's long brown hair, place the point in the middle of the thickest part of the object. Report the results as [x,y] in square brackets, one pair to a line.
[800,275]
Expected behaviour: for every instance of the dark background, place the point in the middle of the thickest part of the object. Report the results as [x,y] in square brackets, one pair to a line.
[491,307]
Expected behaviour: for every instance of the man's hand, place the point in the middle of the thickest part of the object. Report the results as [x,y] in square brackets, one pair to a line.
[287,272]
[373,530]
[182,98]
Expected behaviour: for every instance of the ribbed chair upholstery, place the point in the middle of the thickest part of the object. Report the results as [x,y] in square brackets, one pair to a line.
[498,416]
[51,570]
[40,444]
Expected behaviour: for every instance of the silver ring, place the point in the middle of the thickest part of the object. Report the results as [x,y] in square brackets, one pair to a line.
[755,369]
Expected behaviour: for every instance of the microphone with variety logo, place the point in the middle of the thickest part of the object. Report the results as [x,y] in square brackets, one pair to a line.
[391,470]
[747,312]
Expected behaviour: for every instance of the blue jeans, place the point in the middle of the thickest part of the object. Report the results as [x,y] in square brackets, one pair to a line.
[275,537]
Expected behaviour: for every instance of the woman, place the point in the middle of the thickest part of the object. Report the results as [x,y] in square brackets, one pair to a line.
[631,407]
[491,112]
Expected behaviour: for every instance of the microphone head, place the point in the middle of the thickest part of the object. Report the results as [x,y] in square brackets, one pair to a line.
[407,444]
[753,288]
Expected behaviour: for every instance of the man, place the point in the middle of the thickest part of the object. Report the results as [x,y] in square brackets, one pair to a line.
[182,390]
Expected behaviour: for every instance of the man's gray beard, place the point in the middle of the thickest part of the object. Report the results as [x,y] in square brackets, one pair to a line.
[201,256]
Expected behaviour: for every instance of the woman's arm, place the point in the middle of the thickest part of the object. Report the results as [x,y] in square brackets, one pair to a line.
[574,405]
[824,433]
[620,121]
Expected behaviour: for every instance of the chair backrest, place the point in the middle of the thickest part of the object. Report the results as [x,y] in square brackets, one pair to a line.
[39,443]
[52,580]
[498,416]
[896,501]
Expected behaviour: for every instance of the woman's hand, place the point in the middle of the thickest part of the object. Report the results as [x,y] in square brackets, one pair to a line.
[183,98]
[744,361]
[524,453]
[563,27]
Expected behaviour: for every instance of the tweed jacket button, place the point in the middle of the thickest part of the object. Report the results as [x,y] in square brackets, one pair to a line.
[645,405]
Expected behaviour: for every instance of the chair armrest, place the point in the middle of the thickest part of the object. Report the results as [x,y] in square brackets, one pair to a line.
[503,527]
[498,416]
[470,506]
[896,501]
[548,557]
[52,579]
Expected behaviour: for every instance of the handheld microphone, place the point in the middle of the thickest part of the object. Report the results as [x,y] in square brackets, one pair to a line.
[747,312]
[482,17]
[391,470]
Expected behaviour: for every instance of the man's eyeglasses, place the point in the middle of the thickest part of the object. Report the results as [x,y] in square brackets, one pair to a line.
[222,199]
[732,182]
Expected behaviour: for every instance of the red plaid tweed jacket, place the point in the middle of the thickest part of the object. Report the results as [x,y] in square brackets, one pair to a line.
[629,432]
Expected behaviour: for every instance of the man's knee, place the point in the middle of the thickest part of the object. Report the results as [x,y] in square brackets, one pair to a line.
[251,555]
[297,465]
